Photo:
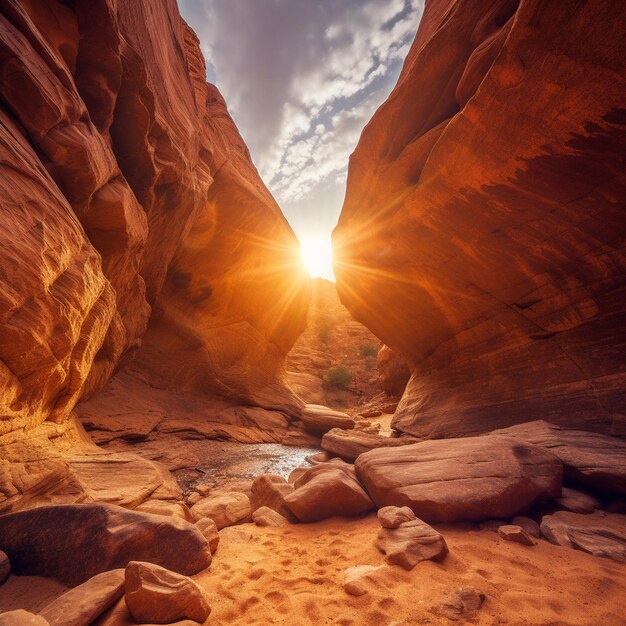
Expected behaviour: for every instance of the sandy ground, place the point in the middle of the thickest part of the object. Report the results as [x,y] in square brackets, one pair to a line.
[294,575]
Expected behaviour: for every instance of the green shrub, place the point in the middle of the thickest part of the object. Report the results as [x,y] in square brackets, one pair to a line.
[338,377]
[370,363]
[368,349]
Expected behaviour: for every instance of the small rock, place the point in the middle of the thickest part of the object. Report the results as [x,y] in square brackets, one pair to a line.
[491,524]
[577,501]
[21,618]
[5,567]
[155,594]
[270,490]
[83,604]
[203,490]
[296,474]
[319,457]
[463,603]
[264,516]
[354,577]
[208,528]
[528,524]
[194,498]
[411,543]
[517,534]
[371,413]
[226,509]
[393,516]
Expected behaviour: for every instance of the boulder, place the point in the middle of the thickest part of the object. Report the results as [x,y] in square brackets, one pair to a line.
[156,595]
[264,516]
[81,605]
[577,501]
[320,419]
[328,490]
[348,444]
[225,509]
[590,459]
[73,543]
[598,534]
[5,566]
[270,490]
[511,532]
[470,243]
[209,529]
[21,618]
[393,516]
[354,579]
[470,479]
[410,543]
[393,371]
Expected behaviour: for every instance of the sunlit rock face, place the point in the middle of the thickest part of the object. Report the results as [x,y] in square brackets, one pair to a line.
[130,214]
[482,234]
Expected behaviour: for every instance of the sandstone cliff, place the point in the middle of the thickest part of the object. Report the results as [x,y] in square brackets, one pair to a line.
[131,216]
[485,209]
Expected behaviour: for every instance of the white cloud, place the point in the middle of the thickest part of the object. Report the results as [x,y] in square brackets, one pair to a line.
[302,78]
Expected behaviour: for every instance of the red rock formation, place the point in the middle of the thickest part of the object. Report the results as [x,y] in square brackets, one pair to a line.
[485,209]
[125,186]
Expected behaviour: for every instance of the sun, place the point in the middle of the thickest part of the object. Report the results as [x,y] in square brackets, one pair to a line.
[317,256]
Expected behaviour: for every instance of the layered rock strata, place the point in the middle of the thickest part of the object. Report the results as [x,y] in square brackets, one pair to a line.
[485,209]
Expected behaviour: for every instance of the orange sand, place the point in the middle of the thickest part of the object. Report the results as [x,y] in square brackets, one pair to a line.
[294,576]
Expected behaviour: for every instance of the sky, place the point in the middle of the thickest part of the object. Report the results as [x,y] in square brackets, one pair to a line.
[301,79]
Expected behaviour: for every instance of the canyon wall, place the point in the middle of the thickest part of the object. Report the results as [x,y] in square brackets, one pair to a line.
[132,220]
[485,209]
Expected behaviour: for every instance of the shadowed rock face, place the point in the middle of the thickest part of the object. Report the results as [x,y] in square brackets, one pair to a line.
[485,209]
[130,215]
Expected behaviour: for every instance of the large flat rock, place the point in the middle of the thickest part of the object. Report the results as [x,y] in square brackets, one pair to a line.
[72,543]
[470,479]
[590,459]
[349,444]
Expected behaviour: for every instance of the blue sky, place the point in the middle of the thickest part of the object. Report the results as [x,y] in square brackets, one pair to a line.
[301,79]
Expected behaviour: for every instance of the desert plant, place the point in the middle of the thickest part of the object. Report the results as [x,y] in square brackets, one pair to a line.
[338,377]
[368,349]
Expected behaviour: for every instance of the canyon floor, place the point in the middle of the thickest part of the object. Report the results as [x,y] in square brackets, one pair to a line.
[295,573]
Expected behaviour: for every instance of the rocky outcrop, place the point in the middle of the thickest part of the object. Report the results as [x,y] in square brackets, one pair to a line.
[131,217]
[590,459]
[599,534]
[484,209]
[471,479]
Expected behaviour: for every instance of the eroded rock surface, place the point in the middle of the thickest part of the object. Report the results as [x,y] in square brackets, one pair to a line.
[470,479]
[132,216]
[72,543]
[599,534]
[485,211]
[328,490]
[591,459]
